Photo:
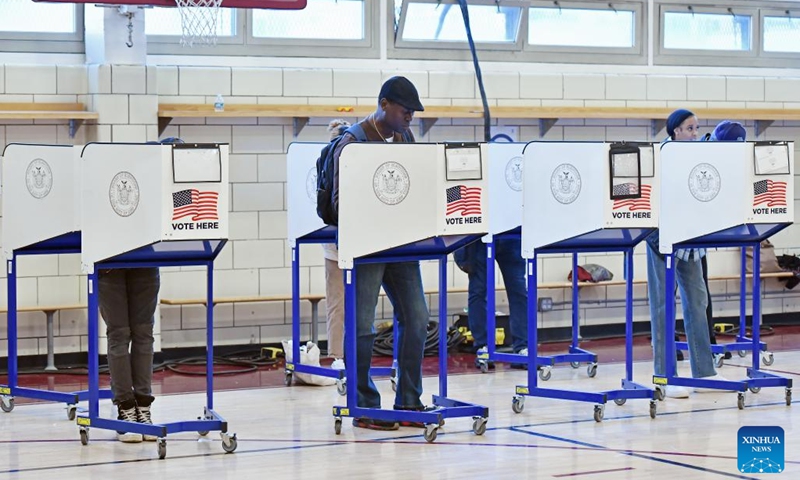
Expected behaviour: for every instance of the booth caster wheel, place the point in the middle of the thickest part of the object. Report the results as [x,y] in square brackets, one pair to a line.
[755,389]
[653,408]
[483,366]
[591,370]
[430,432]
[394,383]
[341,386]
[574,364]
[287,380]
[72,412]
[788,396]
[598,413]
[740,401]
[518,403]
[161,444]
[229,442]
[742,353]
[479,425]
[84,436]
[659,393]
[620,401]
[7,403]
[718,360]
[767,358]
[545,373]
[337,425]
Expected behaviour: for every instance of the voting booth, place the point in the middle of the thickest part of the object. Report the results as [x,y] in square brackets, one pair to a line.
[505,163]
[306,227]
[407,202]
[725,194]
[586,197]
[41,216]
[152,205]
[155,201]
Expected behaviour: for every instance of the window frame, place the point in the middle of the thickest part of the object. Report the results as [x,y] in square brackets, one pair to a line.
[521,51]
[245,44]
[42,42]
[706,57]
[638,25]
[773,11]
[235,39]
[451,45]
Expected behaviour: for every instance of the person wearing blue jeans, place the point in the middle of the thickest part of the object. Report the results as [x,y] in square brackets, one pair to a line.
[403,285]
[694,300]
[472,260]
[389,123]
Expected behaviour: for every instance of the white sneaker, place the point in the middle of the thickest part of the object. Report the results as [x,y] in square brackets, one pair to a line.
[717,377]
[128,415]
[143,416]
[523,352]
[675,391]
[338,364]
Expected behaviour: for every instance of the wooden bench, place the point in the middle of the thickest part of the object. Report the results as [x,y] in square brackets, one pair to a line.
[74,113]
[49,311]
[547,116]
[315,299]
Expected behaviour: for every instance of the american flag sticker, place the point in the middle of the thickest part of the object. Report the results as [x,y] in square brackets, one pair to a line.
[773,194]
[463,200]
[632,204]
[195,203]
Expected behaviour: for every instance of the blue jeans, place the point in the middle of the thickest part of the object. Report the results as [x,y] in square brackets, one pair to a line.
[508,255]
[403,284]
[694,300]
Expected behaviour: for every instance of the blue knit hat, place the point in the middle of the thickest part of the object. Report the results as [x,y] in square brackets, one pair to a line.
[675,119]
[728,131]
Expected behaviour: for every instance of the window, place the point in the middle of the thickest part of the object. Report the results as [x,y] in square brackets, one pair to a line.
[27,16]
[781,34]
[445,23]
[707,31]
[27,26]
[521,30]
[321,19]
[577,27]
[167,22]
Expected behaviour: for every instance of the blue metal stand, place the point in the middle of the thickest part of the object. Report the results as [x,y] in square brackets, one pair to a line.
[544,363]
[432,249]
[609,240]
[742,344]
[324,235]
[174,254]
[64,244]
[747,235]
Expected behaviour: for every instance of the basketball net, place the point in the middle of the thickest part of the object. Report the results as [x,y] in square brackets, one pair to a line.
[199,19]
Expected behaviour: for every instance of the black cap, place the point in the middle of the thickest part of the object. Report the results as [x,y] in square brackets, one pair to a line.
[401,90]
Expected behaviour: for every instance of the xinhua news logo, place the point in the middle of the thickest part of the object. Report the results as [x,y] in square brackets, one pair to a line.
[761,450]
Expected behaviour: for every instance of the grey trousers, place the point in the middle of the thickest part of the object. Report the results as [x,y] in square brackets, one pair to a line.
[127,299]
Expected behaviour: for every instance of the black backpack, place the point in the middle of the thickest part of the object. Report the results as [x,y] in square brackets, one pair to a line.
[325,164]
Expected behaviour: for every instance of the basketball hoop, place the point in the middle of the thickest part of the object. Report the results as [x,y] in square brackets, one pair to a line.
[199,19]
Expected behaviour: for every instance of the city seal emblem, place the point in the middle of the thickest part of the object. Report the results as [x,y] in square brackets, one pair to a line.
[704,182]
[39,178]
[311,185]
[514,174]
[391,183]
[565,183]
[123,194]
